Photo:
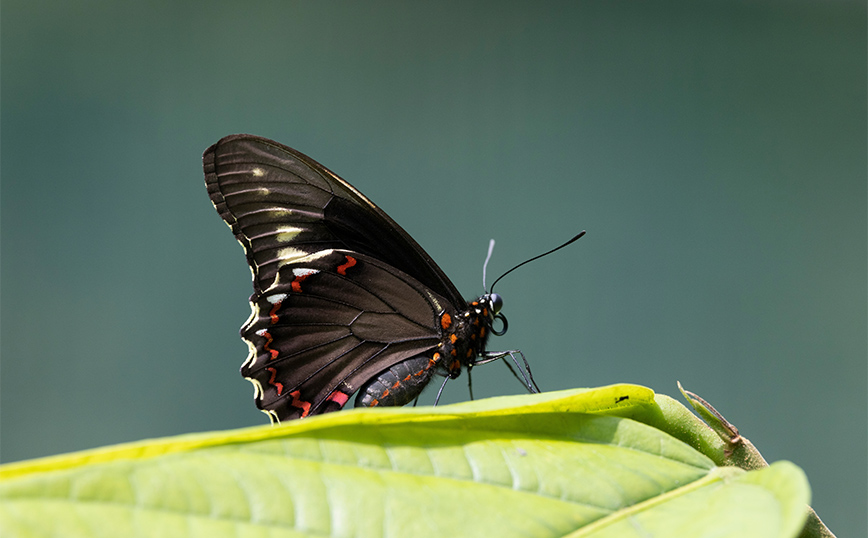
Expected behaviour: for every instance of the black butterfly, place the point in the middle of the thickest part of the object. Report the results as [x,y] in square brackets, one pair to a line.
[344,299]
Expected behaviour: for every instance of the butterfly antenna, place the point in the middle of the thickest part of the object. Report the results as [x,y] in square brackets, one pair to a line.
[485,265]
[580,234]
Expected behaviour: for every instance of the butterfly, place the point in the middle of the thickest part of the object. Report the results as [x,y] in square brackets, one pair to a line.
[345,301]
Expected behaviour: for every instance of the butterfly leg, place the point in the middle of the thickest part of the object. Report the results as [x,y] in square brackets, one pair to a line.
[526,376]
[442,386]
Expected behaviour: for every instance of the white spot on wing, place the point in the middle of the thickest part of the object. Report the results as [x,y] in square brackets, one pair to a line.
[306,258]
[300,271]
[254,315]
[285,234]
[257,388]
[289,255]
[258,172]
[274,299]
[251,356]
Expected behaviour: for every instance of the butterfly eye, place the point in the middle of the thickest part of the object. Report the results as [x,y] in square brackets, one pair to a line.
[496,303]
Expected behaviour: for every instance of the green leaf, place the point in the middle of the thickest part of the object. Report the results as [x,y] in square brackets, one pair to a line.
[554,464]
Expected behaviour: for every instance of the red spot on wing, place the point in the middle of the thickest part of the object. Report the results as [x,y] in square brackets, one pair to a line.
[296,282]
[342,269]
[445,320]
[338,397]
[278,385]
[273,312]
[268,340]
[299,403]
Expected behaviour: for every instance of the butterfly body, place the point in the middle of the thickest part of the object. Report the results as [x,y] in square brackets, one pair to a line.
[344,301]
[463,340]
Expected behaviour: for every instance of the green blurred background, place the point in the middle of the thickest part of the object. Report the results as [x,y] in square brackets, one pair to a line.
[714,151]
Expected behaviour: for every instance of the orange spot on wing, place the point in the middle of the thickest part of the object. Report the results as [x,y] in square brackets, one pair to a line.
[268,339]
[445,320]
[338,397]
[453,338]
[298,402]
[342,269]
[296,283]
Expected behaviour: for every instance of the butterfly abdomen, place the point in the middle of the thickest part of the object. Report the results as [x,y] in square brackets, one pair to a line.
[400,384]
[463,340]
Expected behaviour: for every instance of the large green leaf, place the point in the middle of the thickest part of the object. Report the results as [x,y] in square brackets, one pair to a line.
[554,464]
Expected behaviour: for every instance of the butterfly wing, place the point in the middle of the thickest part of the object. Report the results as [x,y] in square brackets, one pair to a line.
[341,292]
[277,200]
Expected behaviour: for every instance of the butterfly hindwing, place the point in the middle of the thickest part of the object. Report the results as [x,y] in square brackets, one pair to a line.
[323,327]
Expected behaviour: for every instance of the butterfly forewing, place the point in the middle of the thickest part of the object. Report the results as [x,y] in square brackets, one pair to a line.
[280,203]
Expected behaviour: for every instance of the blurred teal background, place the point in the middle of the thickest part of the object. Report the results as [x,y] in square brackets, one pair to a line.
[714,151]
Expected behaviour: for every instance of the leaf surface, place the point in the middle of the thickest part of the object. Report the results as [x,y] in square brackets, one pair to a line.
[548,465]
